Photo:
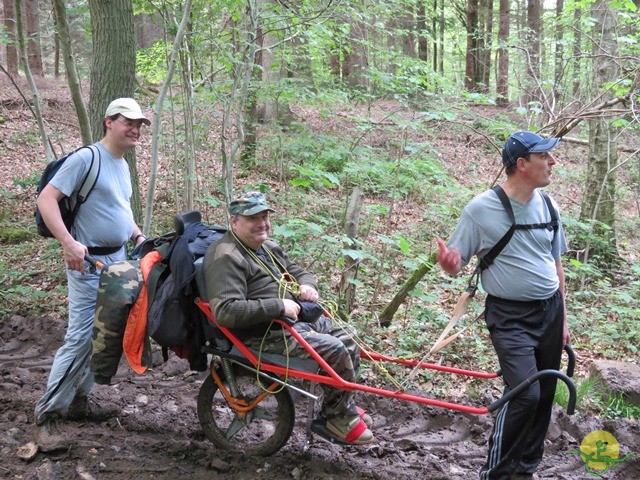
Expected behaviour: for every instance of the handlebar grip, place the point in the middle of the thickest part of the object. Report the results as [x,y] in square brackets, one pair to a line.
[571,363]
[94,262]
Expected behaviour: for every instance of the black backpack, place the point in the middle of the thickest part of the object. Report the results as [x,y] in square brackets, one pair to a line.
[69,206]
[173,319]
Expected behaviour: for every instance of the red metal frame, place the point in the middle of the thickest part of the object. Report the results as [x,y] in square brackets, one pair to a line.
[331,378]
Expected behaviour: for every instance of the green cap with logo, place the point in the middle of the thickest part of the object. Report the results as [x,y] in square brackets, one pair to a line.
[248,204]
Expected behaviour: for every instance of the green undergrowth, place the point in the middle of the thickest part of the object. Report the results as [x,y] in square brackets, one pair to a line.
[594,399]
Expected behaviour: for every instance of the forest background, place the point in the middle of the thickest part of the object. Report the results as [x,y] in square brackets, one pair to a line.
[369,125]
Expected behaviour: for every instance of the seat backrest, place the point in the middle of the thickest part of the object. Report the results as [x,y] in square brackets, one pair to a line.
[184,219]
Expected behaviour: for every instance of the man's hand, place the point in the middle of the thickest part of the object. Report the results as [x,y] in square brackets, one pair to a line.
[308,294]
[449,258]
[74,253]
[291,308]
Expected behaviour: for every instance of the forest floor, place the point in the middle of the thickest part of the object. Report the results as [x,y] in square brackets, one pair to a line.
[156,434]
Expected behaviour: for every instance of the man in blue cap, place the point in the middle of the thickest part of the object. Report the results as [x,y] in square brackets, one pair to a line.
[250,281]
[525,308]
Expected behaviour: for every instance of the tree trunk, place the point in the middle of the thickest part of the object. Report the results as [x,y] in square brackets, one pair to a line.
[577,51]
[481,48]
[534,24]
[488,43]
[598,202]
[434,32]
[559,55]
[10,28]
[232,135]
[34,53]
[386,316]
[421,27]
[356,61]
[73,79]
[502,79]
[441,42]
[471,58]
[157,123]
[408,38]
[351,224]
[113,38]
[32,84]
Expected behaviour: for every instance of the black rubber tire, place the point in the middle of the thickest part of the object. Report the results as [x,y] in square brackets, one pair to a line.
[269,424]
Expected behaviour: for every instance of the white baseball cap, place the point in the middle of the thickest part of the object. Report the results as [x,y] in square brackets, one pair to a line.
[127,107]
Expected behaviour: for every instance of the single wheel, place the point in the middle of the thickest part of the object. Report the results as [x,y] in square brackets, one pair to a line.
[263,430]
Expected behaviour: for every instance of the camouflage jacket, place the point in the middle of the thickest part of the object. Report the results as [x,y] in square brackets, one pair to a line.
[120,285]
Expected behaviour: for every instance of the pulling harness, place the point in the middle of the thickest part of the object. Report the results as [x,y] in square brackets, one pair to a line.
[487,260]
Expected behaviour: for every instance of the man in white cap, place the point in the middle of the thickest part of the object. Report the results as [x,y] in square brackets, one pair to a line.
[103,225]
[525,308]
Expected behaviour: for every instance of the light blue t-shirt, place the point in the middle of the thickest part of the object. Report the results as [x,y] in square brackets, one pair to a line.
[105,219]
[525,269]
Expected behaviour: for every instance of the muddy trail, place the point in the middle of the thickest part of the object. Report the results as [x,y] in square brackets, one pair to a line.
[156,434]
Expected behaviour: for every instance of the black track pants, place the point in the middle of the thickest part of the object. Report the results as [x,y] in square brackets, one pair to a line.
[527,337]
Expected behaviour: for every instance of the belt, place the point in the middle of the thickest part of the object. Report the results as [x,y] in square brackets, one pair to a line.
[104,250]
[520,303]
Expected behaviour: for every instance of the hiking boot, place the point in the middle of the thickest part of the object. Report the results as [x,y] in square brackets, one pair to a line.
[524,476]
[84,409]
[48,436]
[350,430]
[365,417]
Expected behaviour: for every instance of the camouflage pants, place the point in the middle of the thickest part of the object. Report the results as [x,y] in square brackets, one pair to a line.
[120,285]
[335,345]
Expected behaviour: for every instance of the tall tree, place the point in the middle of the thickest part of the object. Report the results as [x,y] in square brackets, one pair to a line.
[577,50]
[558,65]
[356,59]
[32,84]
[502,78]
[534,26]
[73,80]
[598,201]
[441,37]
[423,34]
[471,57]
[113,70]
[10,27]
[487,45]
[32,21]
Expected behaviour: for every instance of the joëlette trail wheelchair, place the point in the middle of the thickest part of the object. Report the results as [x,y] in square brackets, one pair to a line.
[245,404]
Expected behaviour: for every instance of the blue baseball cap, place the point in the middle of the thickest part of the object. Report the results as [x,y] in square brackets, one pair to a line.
[521,144]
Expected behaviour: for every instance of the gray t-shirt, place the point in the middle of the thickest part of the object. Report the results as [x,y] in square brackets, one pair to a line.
[105,219]
[525,269]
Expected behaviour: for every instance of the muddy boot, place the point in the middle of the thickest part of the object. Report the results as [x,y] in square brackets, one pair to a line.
[48,436]
[82,408]
[78,409]
[350,429]
[366,418]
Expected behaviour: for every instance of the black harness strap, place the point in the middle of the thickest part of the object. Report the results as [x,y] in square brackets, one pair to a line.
[489,258]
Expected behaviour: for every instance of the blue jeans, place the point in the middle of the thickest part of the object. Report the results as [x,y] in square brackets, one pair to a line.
[70,375]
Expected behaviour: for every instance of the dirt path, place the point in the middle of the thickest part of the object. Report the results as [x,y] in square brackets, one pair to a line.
[157,434]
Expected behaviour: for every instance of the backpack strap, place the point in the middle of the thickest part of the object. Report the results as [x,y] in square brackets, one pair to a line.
[487,260]
[90,179]
[490,257]
[159,268]
[553,224]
